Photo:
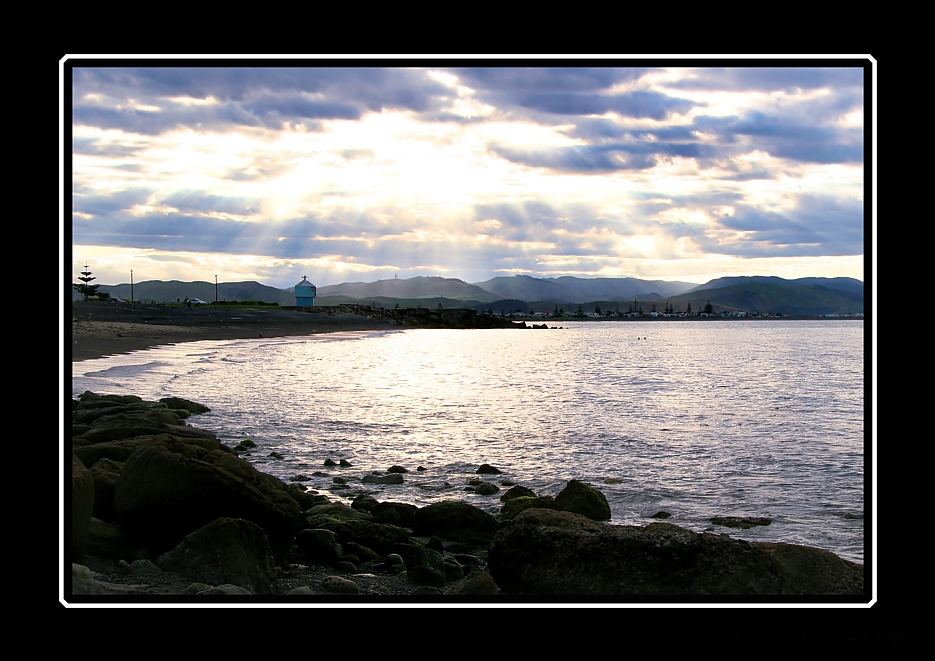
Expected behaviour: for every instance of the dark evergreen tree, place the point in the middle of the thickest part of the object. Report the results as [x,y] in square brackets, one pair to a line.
[84,288]
[597,309]
[688,310]
[707,308]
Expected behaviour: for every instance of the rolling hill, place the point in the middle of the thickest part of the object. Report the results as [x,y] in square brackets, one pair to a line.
[569,289]
[417,287]
[848,286]
[767,296]
[169,291]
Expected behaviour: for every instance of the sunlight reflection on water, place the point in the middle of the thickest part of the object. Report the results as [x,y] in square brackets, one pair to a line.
[700,419]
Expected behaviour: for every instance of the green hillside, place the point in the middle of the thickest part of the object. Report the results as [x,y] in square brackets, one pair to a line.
[772,298]
[169,291]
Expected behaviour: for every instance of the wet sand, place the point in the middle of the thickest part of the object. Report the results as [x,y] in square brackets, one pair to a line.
[103,329]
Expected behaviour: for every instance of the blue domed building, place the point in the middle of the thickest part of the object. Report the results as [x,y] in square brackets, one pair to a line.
[305,293]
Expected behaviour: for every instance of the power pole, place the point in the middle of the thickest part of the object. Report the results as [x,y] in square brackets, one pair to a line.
[215,287]
[131,286]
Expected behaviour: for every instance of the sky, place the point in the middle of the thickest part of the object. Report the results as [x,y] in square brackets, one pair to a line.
[358,174]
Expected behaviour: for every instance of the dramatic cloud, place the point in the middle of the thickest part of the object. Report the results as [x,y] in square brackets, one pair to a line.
[362,172]
[769,79]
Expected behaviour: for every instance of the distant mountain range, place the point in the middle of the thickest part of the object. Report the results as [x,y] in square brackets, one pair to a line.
[569,289]
[418,287]
[169,291]
[764,294]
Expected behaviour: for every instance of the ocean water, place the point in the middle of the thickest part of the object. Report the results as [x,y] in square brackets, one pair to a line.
[699,419]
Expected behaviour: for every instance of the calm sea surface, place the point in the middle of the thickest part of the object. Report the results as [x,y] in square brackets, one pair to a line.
[698,418]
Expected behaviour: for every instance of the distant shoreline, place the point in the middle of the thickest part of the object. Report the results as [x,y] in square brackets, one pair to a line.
[712,318]
[102,329]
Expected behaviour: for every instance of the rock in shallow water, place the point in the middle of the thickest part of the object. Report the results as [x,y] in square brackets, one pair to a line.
[516,492]
[547,552]
[486,489]
[186,404]
[581,498]
[391,478]
[742,522]
[487,469]
[452,519]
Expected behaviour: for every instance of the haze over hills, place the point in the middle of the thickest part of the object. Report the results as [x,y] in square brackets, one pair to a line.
[169,291]
[764,294]
[569,289]
[786,297]
[844,285]
[417,287]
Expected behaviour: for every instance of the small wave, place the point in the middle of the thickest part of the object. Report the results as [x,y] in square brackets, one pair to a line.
[126,370]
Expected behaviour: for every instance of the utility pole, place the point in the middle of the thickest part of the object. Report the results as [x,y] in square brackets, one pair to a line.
[131,286]
[215,287]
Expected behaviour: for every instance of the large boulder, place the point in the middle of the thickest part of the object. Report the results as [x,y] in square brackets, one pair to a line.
[185,404]
[129,426]
[105,473]
[82,505]
[388,511]
[544,552]
[227,550]
[516,505]
[337,511]
[377,536]
[86,415]
[105,540]
[424,566]
[477,583]
[87,397]
[455,520]
[121,450]
[170,488]
[582,498]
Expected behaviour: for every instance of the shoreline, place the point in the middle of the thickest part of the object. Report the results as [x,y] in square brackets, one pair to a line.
[97,339]
[161,507]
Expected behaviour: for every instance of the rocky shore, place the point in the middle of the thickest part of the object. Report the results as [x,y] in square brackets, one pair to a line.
[160,507]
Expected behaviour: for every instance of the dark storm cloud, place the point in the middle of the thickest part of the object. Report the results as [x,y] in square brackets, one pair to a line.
[604,157]
[817,225]
[785,137]
[768,79]
[651,105]
[569,91]
[260,96]
[835,224]
[105,205]
[546,79]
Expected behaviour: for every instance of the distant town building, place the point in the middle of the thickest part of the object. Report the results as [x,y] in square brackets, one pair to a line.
[305,293]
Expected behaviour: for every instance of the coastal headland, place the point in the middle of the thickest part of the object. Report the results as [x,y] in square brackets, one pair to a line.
[101,328]
[159,507]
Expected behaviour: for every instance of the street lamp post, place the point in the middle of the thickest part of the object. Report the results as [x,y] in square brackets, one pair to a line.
[131,286]
[215,287]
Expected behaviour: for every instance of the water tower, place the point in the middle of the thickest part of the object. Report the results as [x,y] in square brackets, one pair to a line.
[305,293]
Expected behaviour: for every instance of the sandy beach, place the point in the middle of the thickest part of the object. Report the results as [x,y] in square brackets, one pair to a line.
[101,329]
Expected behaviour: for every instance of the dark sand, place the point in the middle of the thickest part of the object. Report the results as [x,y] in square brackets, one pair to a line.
[102,329]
